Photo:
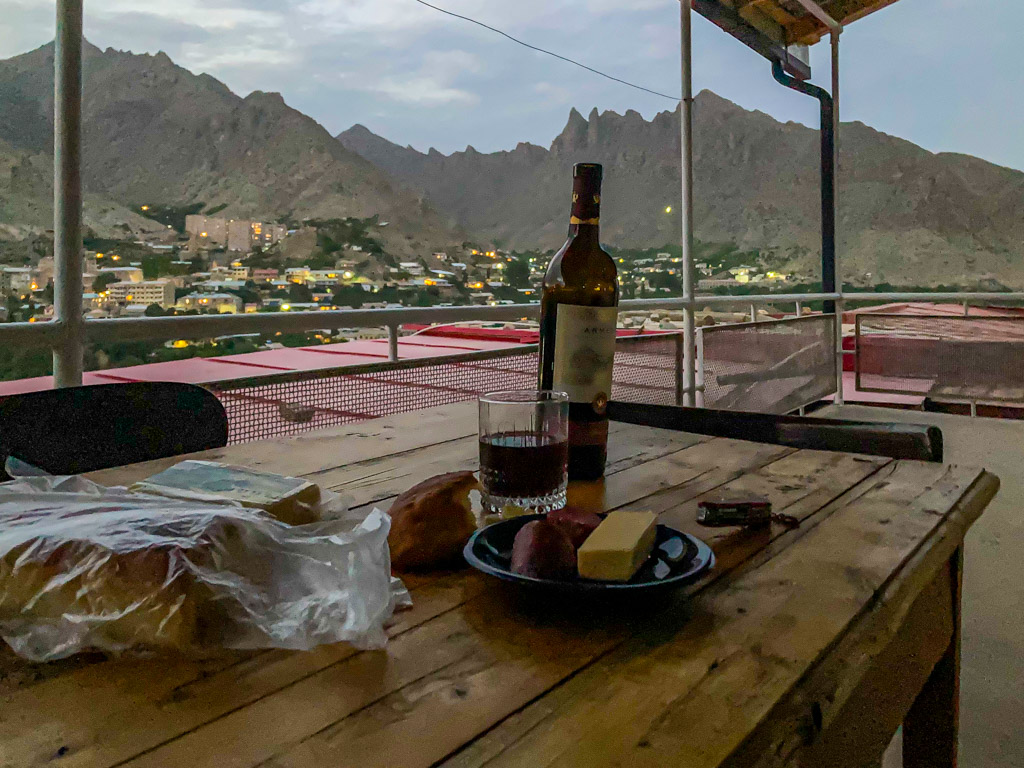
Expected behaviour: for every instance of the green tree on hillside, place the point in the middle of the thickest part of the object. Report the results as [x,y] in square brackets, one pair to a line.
[101,281]
[349,296]
[517,273]
[300,293]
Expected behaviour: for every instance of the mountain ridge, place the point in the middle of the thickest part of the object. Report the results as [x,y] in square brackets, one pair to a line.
[153,132]
[906,215]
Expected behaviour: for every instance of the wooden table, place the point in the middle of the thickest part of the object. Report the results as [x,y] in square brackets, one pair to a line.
[804,647]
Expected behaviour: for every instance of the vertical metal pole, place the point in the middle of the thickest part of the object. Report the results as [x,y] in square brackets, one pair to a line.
[700,368]
[686,212]
[839,352]
[799,309]
[392,343]
[834,39]
[679,345]
[753,313]
[67,194]
[967,309]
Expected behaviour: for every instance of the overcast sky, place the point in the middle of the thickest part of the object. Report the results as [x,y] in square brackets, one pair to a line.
[945,74]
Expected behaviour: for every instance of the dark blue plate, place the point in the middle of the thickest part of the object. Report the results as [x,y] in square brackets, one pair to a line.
[678,559]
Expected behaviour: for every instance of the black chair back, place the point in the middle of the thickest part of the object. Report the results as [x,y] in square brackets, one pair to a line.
[81,429]
[921,442]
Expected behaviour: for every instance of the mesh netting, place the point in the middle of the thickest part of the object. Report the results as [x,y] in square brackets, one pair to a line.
[269,406]
[769,367]
[951,358]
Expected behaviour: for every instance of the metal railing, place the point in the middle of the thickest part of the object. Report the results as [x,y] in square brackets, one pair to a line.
[944,358]
[56,334]
[775,366]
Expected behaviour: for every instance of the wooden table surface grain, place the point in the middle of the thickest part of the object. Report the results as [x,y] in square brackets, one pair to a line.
[804,646]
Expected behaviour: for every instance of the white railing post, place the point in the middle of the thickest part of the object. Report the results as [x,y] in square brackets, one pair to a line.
[392,343]
[799,309]
[753,313]
[839,352]
[836,261]
[686,209]
[67,194]
[700,368]
[680,362]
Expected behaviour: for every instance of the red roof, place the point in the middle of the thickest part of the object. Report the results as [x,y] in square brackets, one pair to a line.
[198,370]
[930,308]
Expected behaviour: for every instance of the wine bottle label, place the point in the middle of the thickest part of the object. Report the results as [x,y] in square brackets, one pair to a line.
[596,221]
[584,353]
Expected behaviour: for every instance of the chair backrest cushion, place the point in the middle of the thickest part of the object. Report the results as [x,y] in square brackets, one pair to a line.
[81,429]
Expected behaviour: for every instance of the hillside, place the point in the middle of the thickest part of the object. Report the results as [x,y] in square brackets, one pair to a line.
[906,216]
[156,133]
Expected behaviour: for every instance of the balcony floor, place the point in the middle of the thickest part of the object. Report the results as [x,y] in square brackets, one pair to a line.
[992,666]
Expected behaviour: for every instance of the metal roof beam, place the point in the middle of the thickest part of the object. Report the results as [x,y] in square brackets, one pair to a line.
[818,12]
[772,48]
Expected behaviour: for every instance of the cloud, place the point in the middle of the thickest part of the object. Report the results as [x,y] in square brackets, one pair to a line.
[250,53]
[433,84]
[552,92]
[205,15]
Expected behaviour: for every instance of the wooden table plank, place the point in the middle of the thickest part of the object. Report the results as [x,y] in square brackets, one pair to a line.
[698,695]
[107,713]
[846,683]
[378,481]
[322,450]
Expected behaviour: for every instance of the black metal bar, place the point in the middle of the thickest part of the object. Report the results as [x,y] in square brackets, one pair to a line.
[919,442]
[729,21]
[828,177]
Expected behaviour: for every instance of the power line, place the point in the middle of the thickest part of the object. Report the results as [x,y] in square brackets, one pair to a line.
[549,53]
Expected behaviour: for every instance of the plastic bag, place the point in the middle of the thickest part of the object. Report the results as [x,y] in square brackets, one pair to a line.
[83,566]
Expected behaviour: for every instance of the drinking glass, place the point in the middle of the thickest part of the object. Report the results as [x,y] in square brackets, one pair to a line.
[524,450]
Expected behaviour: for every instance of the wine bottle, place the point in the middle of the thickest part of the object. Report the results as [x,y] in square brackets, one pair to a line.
[577,330]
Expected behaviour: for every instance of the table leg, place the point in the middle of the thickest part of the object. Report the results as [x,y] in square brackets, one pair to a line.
[931,727]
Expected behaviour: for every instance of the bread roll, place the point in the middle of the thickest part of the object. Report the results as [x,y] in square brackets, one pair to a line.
[431,522]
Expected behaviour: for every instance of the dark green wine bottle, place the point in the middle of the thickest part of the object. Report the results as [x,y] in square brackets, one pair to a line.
[577,330]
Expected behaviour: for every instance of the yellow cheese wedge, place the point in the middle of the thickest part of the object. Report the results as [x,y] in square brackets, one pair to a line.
[618,546]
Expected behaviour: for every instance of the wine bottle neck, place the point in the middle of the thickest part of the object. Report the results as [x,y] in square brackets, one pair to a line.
[586,232]
[586,207]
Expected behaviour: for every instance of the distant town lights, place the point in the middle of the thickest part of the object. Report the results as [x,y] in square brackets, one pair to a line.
[668,209]
[348,275]
[144,207]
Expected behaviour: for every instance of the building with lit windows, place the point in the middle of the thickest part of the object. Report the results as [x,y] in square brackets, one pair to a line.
[16,280]
[207,232]
[223,303]
[123,274]
[145,292]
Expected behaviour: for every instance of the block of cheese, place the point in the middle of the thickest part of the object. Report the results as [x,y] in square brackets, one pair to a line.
[291,500]
[618,546]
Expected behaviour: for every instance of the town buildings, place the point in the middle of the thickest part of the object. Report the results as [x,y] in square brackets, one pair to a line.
[208,232]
